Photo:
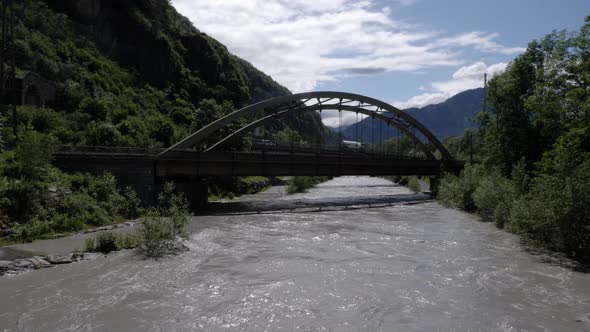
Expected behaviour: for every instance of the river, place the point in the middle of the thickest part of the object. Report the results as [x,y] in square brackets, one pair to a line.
[349,255]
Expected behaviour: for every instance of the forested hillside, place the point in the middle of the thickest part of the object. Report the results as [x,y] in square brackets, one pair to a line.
[130,73]
[534,147]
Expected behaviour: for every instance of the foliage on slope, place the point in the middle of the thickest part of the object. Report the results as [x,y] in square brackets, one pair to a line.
[131,73]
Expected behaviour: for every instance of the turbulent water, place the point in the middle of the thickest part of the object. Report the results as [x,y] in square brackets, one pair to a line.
[350,266]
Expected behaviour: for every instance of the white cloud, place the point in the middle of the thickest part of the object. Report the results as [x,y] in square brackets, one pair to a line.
[303,42]
[332,119]
[465,78]
[481,41]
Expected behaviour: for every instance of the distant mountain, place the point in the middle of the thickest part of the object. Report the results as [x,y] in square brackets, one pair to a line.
[448,118]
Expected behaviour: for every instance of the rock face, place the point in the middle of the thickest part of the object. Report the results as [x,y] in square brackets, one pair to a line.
[88,9]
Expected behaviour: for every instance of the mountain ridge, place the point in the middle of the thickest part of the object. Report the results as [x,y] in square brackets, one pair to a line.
[448,118]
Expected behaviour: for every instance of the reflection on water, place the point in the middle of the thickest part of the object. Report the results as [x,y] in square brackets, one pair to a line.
[400,267]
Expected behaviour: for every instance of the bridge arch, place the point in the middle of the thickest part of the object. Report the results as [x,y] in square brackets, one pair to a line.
[313,101]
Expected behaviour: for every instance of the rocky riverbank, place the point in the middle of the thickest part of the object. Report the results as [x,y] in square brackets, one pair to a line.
[21,265]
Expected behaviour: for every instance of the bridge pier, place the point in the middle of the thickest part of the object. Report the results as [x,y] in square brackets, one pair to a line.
[434,184]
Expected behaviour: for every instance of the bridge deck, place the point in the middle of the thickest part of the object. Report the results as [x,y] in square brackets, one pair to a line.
[194,164]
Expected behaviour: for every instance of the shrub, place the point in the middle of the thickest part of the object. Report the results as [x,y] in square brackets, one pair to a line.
[162,231]
[493,197]
[457,191]
[161,235]
[414,184]
[554,214]
[131,207]
[169,200]
[156,235]
[106,242]
[34,230]
[103,187]
[89,245]
[109,241]
[450,192]
[64,223]
[299,184]
[127,241]
[85,208]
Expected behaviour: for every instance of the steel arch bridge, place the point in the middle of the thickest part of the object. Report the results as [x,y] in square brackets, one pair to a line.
[266,111]
[191,162]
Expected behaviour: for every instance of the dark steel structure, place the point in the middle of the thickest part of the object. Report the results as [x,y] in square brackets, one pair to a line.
[261,113]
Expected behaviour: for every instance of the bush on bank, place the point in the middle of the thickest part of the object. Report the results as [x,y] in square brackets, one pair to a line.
[163,230]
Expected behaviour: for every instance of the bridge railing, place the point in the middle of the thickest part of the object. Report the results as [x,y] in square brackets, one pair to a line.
[274,147]
[334,149]
[108,149]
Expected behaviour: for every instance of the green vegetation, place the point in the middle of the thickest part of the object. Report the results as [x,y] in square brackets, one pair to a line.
[44,202]
[414,184]
[299,184]
[145,79]
[161,231]
[106,242]
[534,148]
[110,241]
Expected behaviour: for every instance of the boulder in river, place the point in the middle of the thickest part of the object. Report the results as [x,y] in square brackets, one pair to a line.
[59,259]
[5,266]
[39,262]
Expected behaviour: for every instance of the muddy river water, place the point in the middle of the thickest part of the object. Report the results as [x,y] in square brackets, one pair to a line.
[350,255]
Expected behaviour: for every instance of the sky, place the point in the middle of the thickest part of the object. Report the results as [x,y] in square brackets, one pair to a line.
[409,53]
